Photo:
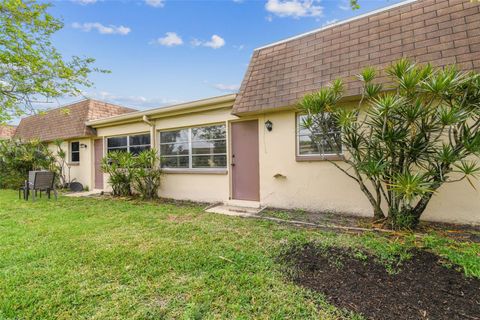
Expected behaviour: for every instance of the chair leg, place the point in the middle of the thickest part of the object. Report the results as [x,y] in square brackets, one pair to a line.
[55,194]
[34,193]
[48,193]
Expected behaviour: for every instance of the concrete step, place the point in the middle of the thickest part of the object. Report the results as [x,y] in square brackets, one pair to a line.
[243,203]
[234,210]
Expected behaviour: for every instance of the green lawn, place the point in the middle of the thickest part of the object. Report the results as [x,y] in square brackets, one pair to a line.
[112,259]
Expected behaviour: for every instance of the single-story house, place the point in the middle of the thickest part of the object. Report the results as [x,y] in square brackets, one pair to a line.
[67,124]
[248,149]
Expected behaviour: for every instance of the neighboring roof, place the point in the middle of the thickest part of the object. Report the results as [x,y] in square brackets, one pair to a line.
[68,121]
[7,131]
[225,101]
[439,31]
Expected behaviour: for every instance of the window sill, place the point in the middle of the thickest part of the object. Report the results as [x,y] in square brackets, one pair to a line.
[73,164]
[194,171]
[329,157]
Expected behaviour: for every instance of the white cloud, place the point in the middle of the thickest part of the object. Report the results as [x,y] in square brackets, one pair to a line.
[294,8]
[329,22]
[171,39]
[84,2]
[269,18]
[239,47]
[155,3]
[110,29]
[238,1]
[196,42]
[226,87]
[215,42]
[140,102]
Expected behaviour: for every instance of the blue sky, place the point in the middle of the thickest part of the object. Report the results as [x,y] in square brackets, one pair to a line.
[168,51]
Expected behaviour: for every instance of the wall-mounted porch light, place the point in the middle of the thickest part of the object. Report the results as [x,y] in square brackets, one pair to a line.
[269,125]
[83,146]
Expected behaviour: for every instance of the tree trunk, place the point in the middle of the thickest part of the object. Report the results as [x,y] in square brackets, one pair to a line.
[421,206]
[377,210]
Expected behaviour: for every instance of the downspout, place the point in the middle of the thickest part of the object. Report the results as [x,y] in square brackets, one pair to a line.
[153,137]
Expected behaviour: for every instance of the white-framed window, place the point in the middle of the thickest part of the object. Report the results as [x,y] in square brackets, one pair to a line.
[129,143]
[202,147]
[75,152]
[314,142]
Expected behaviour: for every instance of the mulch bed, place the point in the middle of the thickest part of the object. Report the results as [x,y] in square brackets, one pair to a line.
[422,289]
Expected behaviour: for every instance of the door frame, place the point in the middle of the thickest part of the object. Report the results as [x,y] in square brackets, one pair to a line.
[230,153]
[102,139]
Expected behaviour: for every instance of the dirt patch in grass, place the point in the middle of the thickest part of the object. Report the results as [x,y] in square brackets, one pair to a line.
[456,232]
[422,288]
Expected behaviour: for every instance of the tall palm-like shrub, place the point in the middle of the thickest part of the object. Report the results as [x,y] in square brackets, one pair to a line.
[63,166]
[147,174]
[120,168]
[404,141]
[130,173]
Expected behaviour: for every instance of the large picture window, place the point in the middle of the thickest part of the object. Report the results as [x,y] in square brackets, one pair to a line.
[194,148]
[132,143]
[317,143]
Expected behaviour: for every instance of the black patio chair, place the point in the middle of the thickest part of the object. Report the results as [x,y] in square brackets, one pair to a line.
[38,181]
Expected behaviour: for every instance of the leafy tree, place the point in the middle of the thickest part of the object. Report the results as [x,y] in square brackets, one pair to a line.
[354,4]
[31,69]
[404,141]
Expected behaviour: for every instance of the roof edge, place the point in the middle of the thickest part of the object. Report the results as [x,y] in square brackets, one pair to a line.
[366,14]
[138,115]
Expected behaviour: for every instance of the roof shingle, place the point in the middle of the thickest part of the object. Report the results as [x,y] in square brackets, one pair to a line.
[442,32]
[67,122]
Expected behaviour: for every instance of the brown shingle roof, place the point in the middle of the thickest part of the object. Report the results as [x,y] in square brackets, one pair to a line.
[7,131]
[68,121]
[439,31]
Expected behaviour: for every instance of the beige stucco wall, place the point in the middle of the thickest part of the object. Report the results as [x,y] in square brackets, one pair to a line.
[315,185]
[318,185]
[205,187]
[195,187]
[81,172]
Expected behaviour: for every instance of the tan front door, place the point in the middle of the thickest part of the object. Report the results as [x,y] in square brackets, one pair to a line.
[98,146]
[245,163]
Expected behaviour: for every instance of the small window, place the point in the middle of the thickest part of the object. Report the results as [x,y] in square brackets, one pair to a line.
[75,152]
[194,148]
[133,144]
[315,142]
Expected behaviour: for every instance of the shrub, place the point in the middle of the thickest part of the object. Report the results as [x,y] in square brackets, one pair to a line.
[127,173]
[120,168]
[147,174]
[17,158]
[62,164]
